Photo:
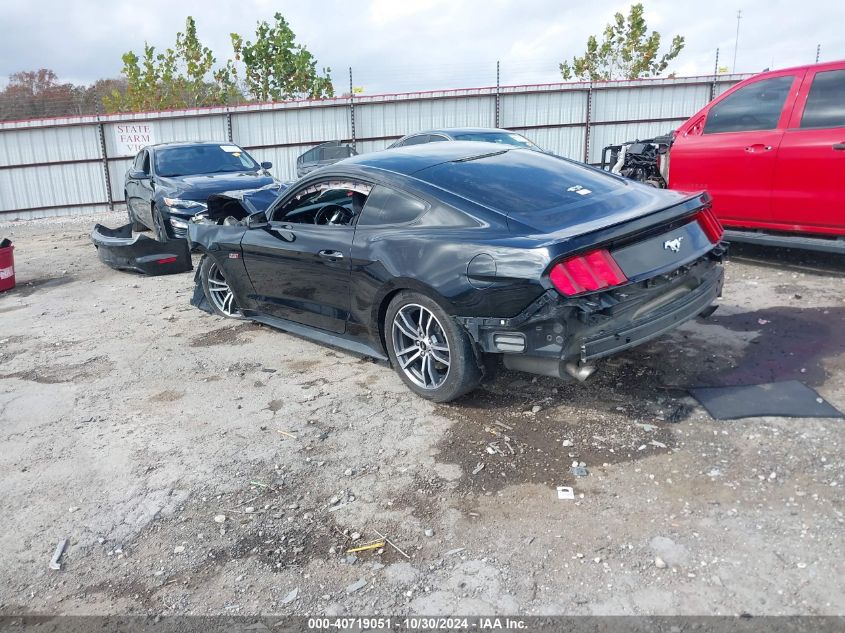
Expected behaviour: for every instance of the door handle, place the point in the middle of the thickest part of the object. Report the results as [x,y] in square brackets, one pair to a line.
[758,147]
[331,255]
[839,146]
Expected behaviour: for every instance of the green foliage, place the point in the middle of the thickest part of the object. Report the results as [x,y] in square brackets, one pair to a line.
[627,51]
[276,67]
[180,77]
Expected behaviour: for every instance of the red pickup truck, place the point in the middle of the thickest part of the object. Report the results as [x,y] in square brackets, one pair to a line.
[771,152]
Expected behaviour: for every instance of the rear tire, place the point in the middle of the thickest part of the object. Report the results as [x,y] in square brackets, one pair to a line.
[432,354]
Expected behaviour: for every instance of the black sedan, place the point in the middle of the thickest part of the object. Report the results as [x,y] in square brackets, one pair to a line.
[171,182]
[446,257]
[479,134]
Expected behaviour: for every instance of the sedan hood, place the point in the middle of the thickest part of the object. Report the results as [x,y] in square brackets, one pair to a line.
[199,186]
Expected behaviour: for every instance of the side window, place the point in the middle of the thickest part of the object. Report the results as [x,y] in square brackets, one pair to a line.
[436,138]
[826,101]
[419,139]
[388,206]
[757,106]
[311,155]
[330,202]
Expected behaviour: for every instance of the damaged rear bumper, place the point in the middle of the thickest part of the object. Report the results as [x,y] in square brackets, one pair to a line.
[119,250]
[557,335]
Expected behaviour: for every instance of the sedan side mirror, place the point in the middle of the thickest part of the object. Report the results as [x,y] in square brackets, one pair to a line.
[257,220]
[266,164]
[137,174]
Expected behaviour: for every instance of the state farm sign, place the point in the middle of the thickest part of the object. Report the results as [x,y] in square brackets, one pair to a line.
[129,138]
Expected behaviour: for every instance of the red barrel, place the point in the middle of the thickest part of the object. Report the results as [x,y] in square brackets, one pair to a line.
[7,265]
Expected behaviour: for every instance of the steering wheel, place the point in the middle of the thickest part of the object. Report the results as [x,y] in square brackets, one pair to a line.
[333,214]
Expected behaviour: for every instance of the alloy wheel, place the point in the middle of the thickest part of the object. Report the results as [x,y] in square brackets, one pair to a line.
[219,292]
[421,346]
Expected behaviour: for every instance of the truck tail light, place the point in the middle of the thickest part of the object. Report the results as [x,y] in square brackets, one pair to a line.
[584,273]
[710,225]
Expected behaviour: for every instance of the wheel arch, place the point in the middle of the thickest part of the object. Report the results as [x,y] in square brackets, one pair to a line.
[389,291]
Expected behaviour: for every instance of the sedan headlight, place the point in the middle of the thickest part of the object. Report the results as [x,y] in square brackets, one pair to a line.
[178,223]
[192,205]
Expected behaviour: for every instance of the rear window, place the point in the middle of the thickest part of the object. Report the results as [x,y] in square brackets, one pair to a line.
[503,138]
[522,182]
[756,106]
[826,101]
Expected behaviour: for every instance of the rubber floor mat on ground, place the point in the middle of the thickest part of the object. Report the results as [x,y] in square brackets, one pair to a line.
[791,399]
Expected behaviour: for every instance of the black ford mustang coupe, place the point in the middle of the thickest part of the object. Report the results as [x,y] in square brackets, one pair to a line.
[443,257]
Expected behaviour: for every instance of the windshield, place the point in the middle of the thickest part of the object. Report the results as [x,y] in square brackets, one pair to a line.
[505,138]
[202,159]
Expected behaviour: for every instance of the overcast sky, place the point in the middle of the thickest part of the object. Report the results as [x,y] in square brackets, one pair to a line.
[403,45]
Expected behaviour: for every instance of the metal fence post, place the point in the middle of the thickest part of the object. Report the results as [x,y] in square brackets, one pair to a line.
[715,77]
[229,126]
[352,108]
[498,86]
[102,135]
[587,124]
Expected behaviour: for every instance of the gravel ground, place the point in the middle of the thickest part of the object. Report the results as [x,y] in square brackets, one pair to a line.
[204,466]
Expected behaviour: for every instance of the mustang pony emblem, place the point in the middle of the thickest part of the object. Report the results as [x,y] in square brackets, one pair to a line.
[673,245]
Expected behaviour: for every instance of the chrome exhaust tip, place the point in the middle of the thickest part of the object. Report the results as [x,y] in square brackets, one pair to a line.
[579,372]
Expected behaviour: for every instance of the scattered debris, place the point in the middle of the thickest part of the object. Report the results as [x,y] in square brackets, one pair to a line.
[785,399]
[478,468]
[579,469]
[659,563]
[285,433]
[178,549]
[367,546]
[220,518]
[291,596]
[565,492]
[657,444]
[429,532]
[392,544]
[55,563]
[452,552]
[356,586]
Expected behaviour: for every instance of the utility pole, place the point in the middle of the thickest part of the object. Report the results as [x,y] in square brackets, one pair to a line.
[818,52]
[736,41]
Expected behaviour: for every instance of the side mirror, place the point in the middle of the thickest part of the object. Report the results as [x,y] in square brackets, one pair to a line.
[257,220]
[137,174]
[266,164]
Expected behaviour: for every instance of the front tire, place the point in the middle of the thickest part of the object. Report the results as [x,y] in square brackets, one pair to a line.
[159,228]
[432,354]
[136,226]
[217,291]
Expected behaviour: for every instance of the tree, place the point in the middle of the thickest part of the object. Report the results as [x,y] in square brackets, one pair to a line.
[180,77]
[626,52]
[276,67]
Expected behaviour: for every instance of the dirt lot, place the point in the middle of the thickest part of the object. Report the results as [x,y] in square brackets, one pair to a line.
[129,420]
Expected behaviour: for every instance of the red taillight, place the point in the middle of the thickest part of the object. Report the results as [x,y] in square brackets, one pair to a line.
[584,273]
[166,260]
[710,225]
